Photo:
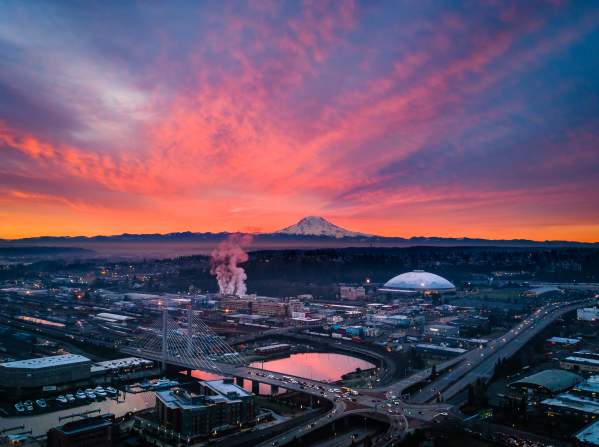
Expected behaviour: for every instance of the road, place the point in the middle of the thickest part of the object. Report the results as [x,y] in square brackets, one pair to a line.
[457,374]
[480,363]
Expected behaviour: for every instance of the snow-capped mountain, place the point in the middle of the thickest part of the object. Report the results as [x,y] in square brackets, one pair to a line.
[318,226]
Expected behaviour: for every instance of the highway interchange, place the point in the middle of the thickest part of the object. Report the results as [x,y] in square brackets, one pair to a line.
[389,402]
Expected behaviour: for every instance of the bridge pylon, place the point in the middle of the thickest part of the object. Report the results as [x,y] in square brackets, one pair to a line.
[184,340]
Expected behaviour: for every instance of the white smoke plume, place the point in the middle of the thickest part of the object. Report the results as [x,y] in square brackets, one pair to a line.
[224,262]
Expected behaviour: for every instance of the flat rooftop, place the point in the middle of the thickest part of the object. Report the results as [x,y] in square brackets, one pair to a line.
[589,434]
[573,402]
[582,360]
[47,362]
[110,316]
[591,385]
[440,348]
[563,340]
[127,362]
[223,388]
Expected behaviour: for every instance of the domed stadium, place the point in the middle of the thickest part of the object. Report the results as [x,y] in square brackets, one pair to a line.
[418,281]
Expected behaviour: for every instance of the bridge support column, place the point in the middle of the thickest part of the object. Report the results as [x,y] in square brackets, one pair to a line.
[311,401]
[255,387]
[164,336]
[274,390]
[239,381]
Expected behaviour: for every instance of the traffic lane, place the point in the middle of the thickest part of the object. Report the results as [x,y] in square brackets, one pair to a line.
[499,343]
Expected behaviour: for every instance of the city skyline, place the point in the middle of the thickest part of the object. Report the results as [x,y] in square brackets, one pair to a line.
[390,118]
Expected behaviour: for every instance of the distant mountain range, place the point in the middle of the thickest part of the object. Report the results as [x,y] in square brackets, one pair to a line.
[312,229]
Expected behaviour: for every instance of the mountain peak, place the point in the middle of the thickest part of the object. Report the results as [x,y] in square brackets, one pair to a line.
[318,226]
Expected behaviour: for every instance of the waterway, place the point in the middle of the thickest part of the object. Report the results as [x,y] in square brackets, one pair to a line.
[41,423]
[313,365]
[323,366]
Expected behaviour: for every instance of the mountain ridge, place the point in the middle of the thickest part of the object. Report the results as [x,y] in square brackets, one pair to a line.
[309,228]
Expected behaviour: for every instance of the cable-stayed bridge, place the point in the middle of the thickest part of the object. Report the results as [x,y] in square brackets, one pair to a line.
[186,342]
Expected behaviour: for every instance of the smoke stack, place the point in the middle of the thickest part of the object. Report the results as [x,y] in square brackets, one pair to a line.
[224,262]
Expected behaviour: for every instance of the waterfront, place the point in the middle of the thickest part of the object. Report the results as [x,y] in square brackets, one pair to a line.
[41,423]
[317,366]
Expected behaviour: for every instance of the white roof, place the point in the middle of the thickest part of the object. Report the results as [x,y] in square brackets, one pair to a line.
[419,280]
[124,362]
[47,362]
[224,388]
[113,316]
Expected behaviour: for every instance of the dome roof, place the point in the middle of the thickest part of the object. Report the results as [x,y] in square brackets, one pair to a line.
[419,281]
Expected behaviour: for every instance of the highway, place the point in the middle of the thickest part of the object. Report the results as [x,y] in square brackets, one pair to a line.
[456,375]
[480,363]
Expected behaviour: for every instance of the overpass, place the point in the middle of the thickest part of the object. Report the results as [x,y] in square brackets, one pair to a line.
[187,350]
[480,363]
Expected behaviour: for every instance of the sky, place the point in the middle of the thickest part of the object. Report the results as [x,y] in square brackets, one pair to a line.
[398,118]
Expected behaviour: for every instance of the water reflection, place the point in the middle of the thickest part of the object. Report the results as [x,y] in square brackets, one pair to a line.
[313,365]
[317,366]
[41,423]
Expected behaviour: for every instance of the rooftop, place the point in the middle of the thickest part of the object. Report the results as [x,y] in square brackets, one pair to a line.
[418,281]
[563,341]
[552,380]
[109,316]
[582,360]
[440,348]
[225,388]
[47,362]
[121,363]
[589,434]
[571,401]
[591,385]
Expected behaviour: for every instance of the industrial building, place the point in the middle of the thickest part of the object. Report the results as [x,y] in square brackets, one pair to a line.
[441,330]
[67,371]
[438,351]
[272,349]
[577,363]
[590,314]
[579,403]
[562,342]
[549,381]
[44,371]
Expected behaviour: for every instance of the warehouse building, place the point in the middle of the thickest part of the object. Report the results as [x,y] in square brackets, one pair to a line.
[549,381]
[44,371]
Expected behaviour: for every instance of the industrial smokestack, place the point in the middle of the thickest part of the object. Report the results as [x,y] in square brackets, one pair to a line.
[223,264]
